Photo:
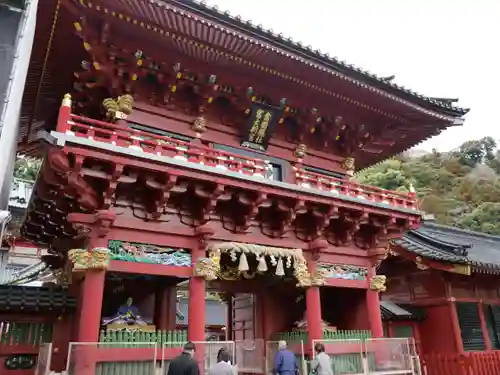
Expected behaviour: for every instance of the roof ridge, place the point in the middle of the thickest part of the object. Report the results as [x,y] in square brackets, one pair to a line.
[298,47]
[448,228]
[449,246]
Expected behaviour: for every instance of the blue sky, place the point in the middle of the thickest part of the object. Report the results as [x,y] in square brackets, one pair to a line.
[441,48]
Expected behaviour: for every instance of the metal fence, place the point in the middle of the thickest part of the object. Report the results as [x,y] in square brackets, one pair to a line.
[390,355]
[44,358]
[205,353]
[296,346]
[109,358]
[250,356]
[347,356]
[384,356]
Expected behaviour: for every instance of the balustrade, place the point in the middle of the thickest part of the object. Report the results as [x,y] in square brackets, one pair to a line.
[192,152]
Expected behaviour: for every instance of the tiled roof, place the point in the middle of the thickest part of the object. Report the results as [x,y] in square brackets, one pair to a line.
[449,244]
[398,312]
[16,298]
[296,47]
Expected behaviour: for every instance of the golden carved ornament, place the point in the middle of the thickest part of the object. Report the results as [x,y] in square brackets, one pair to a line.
[199,125]
[208,268]
[319,277]
[82,259]
[377,283]
[119,108]
[349,166]
[300,151]
[125,103]
[66,102]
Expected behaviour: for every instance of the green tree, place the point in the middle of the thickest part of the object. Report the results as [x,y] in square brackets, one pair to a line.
[477,151]
[484,218]
[460,188]
[387,175]
[27,168]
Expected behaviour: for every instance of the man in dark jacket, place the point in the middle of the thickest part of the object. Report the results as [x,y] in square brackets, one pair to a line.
[284,362]
[184,364]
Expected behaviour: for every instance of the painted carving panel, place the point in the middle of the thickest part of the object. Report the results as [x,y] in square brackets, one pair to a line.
[343,271]
[144,253]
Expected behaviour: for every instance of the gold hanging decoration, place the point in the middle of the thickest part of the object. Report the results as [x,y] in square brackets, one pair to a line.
[243,265]
[280,271]
[262,267]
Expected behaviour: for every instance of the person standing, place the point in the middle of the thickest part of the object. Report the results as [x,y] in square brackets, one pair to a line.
[284,362]
[184,364]
[322,364]
[223,365]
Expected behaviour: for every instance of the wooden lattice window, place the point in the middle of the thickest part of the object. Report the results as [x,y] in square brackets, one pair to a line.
[492,318]
[470,326]
[402,331]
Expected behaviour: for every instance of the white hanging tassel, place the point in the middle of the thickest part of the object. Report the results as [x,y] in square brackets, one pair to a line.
[262,267]
[243,266]
[280,271]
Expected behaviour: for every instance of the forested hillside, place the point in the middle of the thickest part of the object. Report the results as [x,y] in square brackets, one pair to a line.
[461,188]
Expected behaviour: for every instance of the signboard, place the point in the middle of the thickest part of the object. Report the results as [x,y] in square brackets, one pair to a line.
[261,125]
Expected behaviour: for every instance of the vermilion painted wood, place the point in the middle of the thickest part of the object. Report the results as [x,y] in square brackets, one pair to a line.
[6,350]
[341,283]
[473,363]
[150,269]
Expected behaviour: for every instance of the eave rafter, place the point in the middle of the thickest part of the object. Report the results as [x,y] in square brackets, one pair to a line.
[371,142]
[424,263]
[192,199]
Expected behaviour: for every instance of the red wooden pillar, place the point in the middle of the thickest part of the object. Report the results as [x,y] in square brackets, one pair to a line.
[313,297]
[64,115]
[484,328]
[373,308]
[165,308]
[313,315]
[196,311]
[60,339]
[92,291]
[457,332]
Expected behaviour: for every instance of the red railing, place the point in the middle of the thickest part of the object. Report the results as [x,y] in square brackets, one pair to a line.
[119,135]
[349,188]
[163,146]
[473,363]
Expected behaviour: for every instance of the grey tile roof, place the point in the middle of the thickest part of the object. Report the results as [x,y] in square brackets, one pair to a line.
[449,244]
[398,312]
[279,40]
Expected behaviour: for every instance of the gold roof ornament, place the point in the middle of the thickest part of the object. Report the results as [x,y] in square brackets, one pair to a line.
[66,102]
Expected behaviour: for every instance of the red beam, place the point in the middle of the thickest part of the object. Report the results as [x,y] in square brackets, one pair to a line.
[150,269]
[342,283]
[6,350]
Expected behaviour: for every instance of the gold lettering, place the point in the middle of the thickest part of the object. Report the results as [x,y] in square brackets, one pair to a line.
[263,126]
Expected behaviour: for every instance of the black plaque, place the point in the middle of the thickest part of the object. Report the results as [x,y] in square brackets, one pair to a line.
[261,125]
[20,362]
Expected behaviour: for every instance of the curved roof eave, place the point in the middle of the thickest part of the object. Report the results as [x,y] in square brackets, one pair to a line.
[200,8]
